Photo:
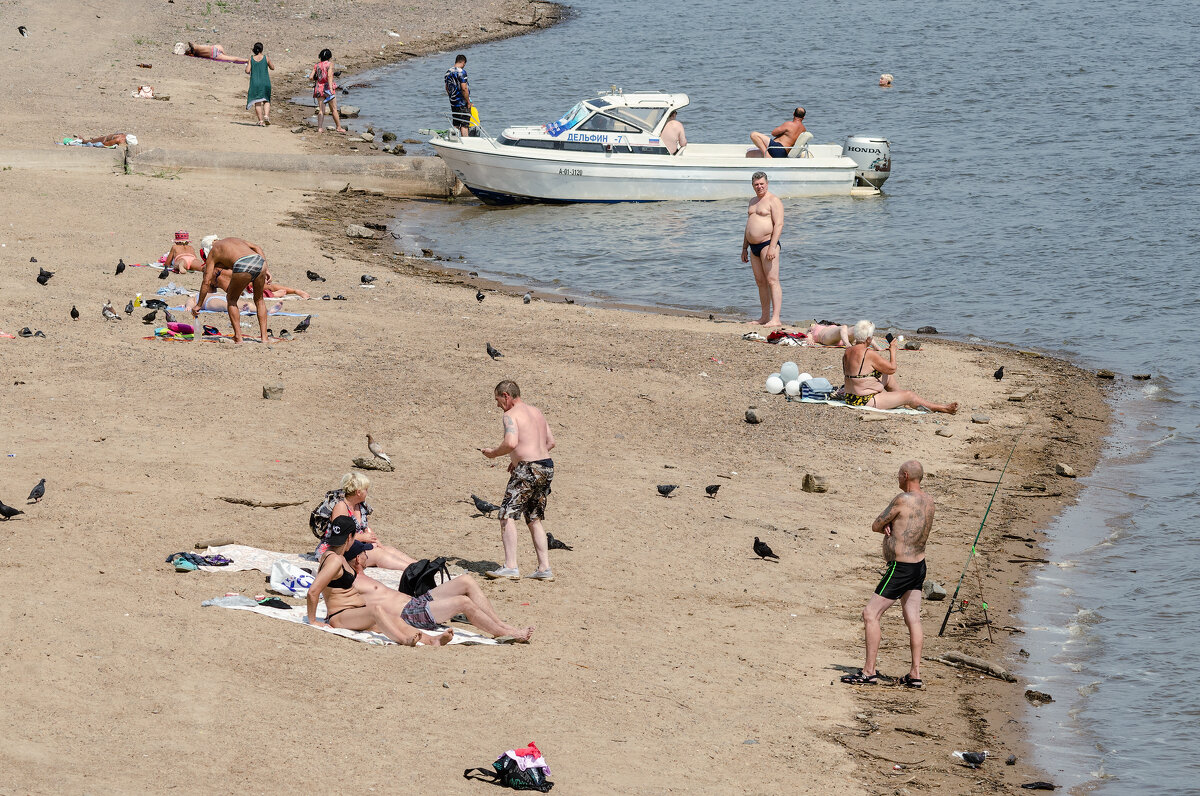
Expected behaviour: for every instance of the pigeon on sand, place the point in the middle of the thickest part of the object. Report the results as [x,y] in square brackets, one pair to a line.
[483,506]
[8,512]
[972,759]
[109,313]
[493,353]
[38,491]
[711,490]
[120,267]
[74,313]
[666,489]
[763,550]
[376,451]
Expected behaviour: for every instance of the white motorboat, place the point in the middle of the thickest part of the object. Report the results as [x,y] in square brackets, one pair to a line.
[608,149]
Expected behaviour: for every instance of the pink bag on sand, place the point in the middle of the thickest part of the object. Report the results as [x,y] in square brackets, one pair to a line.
[181,328]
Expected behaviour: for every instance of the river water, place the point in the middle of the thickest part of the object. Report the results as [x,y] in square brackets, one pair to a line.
[1044,156]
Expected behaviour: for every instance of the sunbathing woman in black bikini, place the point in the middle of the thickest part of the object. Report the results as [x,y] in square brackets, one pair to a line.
[878,389]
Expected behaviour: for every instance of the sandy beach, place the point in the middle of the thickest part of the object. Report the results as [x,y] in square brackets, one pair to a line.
[667,657]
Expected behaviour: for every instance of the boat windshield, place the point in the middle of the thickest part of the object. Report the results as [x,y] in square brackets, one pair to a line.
[645,118]
[569,119]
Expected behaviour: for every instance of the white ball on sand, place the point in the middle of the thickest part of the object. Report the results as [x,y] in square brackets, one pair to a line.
[803,377]
[792,387]
[789,371]
[774,384]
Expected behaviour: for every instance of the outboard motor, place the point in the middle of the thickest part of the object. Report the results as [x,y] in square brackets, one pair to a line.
[873,156]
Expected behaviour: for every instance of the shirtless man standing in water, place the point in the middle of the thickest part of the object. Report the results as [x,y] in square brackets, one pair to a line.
[905,525]
[528,442]
[760,248]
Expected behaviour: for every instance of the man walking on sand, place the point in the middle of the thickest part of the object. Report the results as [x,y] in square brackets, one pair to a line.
[247,265]
[528,442]
[905,525]
[764,225]
[460,95]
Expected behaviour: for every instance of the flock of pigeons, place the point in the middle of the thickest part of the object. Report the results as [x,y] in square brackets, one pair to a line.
[35,495]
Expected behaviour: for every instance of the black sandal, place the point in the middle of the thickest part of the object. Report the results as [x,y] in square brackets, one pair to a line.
[911,682]
[859,678]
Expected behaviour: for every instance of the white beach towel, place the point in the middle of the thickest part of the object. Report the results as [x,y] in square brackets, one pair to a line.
[253,558]
[901,410]
[299,615]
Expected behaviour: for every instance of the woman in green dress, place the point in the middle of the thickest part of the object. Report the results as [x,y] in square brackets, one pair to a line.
[258,96]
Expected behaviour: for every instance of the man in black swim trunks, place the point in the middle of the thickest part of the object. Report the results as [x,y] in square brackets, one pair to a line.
[905,525]
[781,140]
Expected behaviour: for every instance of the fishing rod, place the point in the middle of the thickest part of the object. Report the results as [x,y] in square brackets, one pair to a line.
[978,533]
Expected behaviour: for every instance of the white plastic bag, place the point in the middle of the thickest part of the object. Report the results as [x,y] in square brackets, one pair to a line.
[289,579]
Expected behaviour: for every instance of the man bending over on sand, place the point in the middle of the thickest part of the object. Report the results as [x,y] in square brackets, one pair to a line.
[246,265]
[905,525]
[779,144]
[528,442]
[760,248]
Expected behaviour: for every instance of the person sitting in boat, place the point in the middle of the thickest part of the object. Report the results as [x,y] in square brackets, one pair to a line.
[781,139]
[672,134]
[871,379]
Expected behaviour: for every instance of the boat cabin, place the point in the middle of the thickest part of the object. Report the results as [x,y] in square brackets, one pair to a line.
[612,122]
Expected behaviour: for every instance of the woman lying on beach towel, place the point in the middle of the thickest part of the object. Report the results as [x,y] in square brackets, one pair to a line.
[213,52]
[878,387]
[835,334]
[356,601]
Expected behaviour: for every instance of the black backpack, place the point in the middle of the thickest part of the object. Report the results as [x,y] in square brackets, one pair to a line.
[421,576]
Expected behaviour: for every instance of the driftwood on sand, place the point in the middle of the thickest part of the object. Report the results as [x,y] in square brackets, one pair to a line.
[962,660]
[259,504]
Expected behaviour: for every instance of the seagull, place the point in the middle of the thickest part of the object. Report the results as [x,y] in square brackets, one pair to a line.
[999,374]
[526,298]
[479,296]
[129,307]
[150,316]
[711,490]
[556,544]
[493,353]
[8,512]
[313,276]
[303,325]
[376,451]
[37,492]
[972,759]
[763,550]
[120,267]
[483,506]
[666,489]
[108,312]
[367,279]
[74,313]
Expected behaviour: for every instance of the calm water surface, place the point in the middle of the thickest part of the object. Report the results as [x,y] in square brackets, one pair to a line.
[1045,161]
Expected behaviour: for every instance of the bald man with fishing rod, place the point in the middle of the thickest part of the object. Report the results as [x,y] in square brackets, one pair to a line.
[905,525]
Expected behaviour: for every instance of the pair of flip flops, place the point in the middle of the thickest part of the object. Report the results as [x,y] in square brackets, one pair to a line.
[858,678]
[27,333]
[338,297]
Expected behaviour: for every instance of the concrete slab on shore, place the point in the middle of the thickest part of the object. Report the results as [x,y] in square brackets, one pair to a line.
[396,176]
[64,158]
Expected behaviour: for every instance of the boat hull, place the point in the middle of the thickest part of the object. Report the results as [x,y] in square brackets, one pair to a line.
[509,174]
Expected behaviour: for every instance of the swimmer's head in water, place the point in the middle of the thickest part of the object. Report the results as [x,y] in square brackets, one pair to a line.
[206,245]
[862,331]
[885,79]
[181,237]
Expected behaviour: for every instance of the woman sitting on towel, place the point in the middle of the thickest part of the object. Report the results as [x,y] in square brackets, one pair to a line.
[359,602]
[365,543]
[345,606]
[182,257]
[871,379]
